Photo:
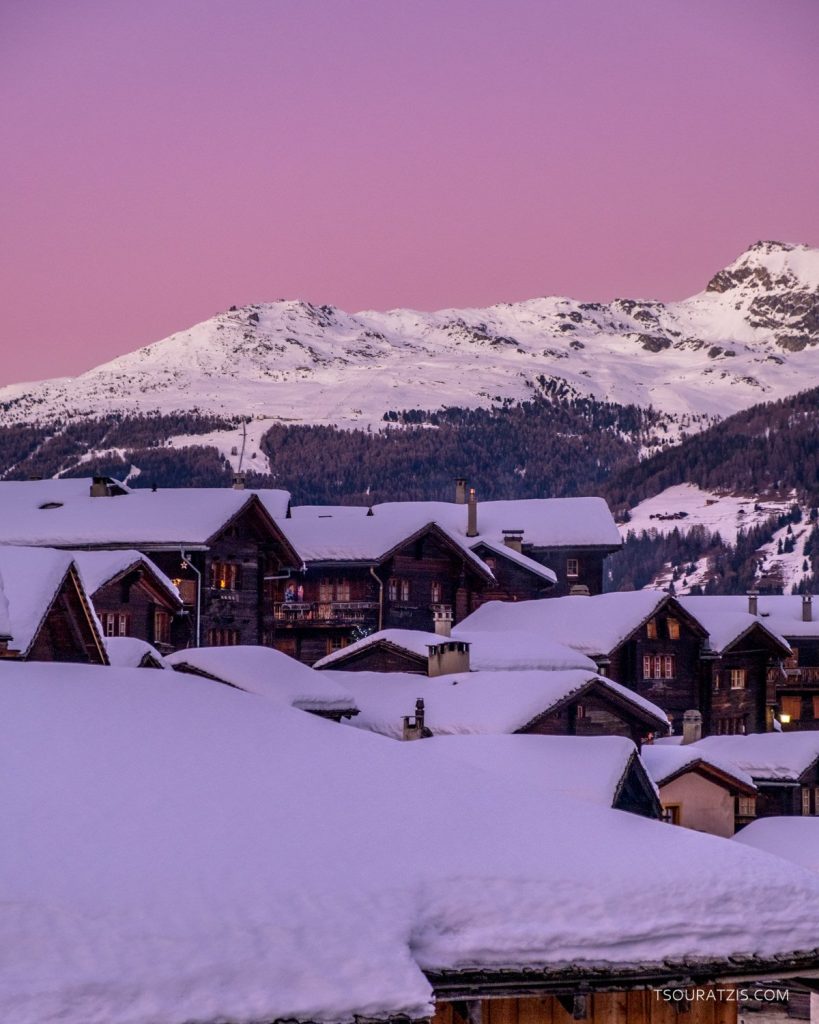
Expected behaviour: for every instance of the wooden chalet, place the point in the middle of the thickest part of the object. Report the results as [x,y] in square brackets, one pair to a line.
[541,703]
[134,598]
[644,640]
[219,546]
[784,768]
[367,573]
[47,613]
[780,655]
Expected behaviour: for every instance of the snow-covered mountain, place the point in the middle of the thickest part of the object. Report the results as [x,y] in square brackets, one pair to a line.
[752,335]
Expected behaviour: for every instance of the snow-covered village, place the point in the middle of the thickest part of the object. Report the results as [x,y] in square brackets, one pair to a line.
[409,512]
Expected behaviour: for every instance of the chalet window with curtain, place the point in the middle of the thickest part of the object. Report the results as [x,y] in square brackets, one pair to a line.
[162,627]
[342,590]
[572,567]
[737,676]
[673,629]
[659,666]
[746,806]
[223,637]
[325,590]
[436,591]
[398,589]
[651,629]
[806,800]
[116,623]
[225,576]
[405,590]
[392,589]
[792,707]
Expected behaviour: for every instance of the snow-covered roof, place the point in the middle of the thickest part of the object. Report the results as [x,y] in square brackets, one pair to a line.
[328,537]
[473,702]
[728,622]
[414,641]
[519,650]
[666,761]
[524,561]
[99,567]
[593,625]
[61,513]
[30,579]
[488,651]
[781,614]
[185,852]
[794,838]
[583,767]
[766,755]
[129,651]
[545,522]
[267,673]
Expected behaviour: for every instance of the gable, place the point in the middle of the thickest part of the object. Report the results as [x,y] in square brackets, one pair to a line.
[68,631]
[253,522]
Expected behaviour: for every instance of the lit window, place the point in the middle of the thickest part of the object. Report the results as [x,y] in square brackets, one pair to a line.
[343,590]
[223,637]
[225,576]
[791,707]
[673,629]
[806,800]
[572,567]
[737,678]
[325,594]
[651,629]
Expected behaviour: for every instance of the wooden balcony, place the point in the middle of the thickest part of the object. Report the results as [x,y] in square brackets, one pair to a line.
[323,613]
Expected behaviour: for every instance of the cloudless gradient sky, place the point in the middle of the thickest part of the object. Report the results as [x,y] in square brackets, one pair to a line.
[164,159]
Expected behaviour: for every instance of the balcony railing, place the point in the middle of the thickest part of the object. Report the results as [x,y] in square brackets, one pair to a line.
[323,612]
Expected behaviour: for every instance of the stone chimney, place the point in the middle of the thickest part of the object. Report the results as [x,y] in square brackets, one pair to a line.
[442,617]
[807,608]
[100,487]
[238,481]
[753,602]
[692,727]
[472,514]
[513,539]
[460,491]
[447,657]
[414,727]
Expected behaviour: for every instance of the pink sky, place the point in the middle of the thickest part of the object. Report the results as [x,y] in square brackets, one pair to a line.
[164,159]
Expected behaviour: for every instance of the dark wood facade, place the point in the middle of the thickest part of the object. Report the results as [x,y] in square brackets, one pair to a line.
[638,1006]
[595,711]
[135,603]
[736,697]
[335,603]
[795,685]
[574,567]
[67,632]
[229,576]
[513,581]
[661,660]
[383,656]
[791,799]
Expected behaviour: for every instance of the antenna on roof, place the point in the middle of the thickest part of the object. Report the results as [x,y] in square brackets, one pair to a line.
[244,442]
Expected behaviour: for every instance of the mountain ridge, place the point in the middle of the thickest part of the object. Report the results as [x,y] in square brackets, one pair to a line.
[750,336]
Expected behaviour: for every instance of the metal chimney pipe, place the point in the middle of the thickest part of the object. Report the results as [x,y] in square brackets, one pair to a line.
[753,602]
[472,514]
[807,608]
